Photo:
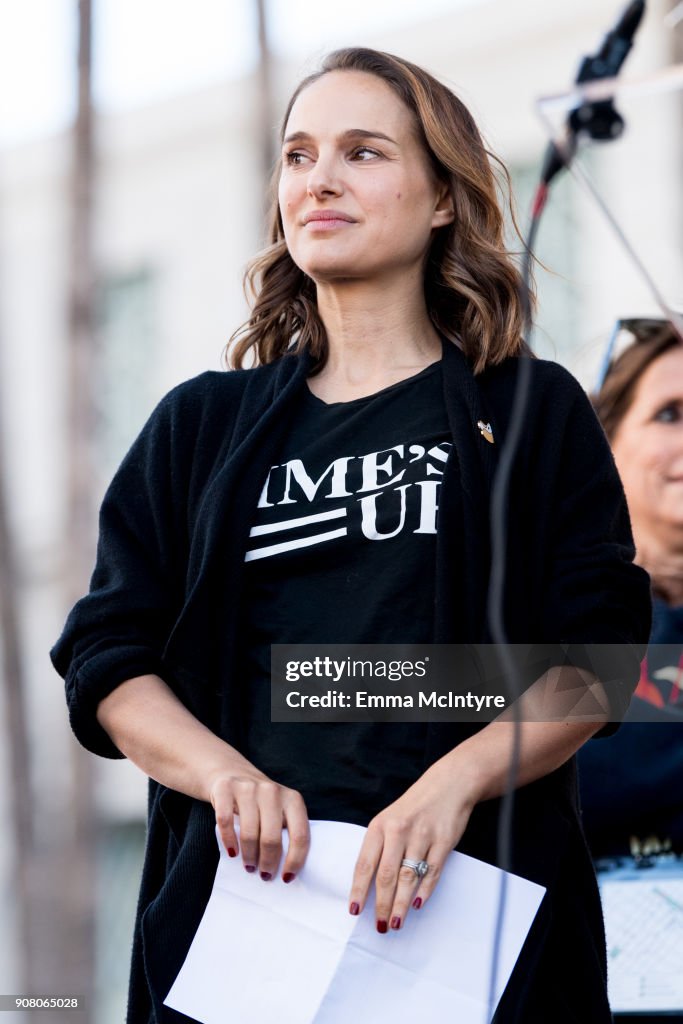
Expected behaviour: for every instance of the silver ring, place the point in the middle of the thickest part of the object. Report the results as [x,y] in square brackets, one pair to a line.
[420,867]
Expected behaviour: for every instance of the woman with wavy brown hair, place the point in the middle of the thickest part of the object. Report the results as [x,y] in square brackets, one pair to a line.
[337,491]
[471,285]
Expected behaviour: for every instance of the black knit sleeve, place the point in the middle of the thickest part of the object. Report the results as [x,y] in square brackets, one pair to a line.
[119,629]
[595,597]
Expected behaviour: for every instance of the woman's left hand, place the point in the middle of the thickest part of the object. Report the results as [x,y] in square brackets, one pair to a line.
[423,824]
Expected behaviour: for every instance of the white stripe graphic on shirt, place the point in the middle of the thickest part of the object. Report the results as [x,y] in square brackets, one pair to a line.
[289,524]
[291,545]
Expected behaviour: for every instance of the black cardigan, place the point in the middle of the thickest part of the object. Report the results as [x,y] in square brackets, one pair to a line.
[164,599]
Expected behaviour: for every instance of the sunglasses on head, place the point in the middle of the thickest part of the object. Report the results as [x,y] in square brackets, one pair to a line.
[624,334]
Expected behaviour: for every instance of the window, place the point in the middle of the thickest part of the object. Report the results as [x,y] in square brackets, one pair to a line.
[127,357]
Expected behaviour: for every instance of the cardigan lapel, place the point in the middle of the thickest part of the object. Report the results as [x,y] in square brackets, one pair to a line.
[463,543]
[264,401]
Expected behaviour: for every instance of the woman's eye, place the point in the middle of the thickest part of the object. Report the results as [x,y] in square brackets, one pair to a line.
[294,158]
[364,153]
[668,414]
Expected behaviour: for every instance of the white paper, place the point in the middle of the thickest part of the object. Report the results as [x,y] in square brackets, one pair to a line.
[266,951]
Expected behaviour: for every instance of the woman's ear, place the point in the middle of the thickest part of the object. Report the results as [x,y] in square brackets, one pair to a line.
[444,210]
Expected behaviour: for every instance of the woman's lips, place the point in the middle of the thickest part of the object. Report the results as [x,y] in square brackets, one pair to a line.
[328,224]
[326,220]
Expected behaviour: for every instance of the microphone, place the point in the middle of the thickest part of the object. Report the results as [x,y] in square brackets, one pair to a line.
[597,119]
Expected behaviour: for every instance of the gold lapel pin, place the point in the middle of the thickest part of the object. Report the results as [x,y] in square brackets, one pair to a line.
[485,430]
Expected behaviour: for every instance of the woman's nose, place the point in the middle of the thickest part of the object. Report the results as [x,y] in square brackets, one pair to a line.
[323,180]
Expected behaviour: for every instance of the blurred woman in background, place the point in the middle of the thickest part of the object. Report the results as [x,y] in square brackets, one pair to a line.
[632,782]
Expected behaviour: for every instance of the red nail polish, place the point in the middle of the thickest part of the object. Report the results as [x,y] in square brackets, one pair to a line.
[250,868]
[266,876]
[395,923]
[232,852]
[381,927]
[354,909]
[288,876]
[417,902]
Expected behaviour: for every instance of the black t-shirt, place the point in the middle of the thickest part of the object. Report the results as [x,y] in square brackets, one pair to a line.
[342,550]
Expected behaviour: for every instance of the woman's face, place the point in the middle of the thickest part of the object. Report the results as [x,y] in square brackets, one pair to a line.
[648,448]
[357,195]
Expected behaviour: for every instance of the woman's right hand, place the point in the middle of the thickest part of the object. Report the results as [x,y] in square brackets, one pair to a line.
[153,728]
[264,809]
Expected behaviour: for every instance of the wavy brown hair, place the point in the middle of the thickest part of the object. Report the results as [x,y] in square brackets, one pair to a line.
[472,285]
